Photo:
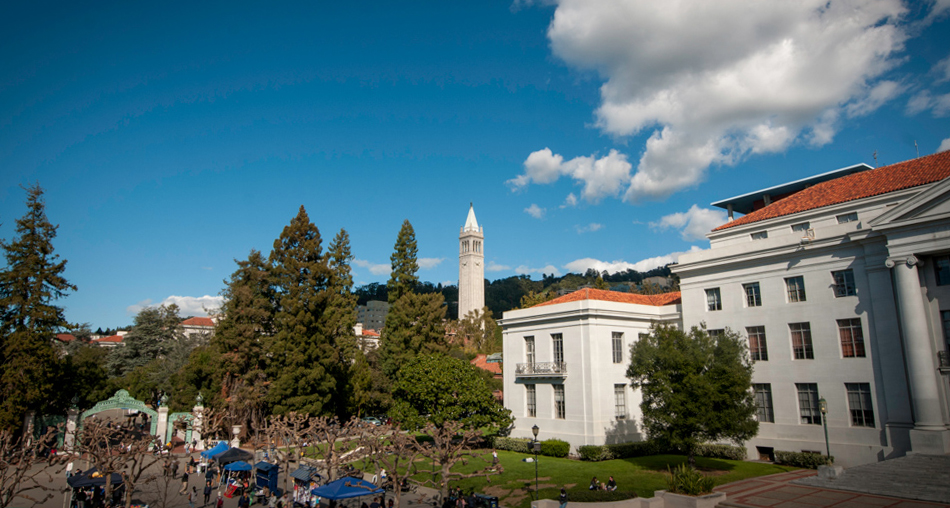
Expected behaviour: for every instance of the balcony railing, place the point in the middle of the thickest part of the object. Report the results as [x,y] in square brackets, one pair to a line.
[944,362]
[542,369]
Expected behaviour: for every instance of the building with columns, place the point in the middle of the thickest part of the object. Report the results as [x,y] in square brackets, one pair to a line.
[471,265]
[841,283]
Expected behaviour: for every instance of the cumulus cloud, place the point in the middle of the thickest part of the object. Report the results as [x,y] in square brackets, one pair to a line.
[525,270]
[599,177]
[718,81]
[187,305]
[590,228]
[644,265]
[372,267]
[495,267]
[427,263]
[535,211]
[693,224]
[944,146]
[570,201]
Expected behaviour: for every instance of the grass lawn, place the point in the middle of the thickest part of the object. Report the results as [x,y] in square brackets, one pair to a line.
[642,475]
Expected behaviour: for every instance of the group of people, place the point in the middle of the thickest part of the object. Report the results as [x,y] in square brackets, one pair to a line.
[598,485]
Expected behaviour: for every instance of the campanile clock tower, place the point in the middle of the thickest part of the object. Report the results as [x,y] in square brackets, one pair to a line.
[471,266]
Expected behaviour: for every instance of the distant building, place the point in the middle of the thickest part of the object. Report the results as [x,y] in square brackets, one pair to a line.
[198,326]
[112,340]
[373,314]
[471,266]
[662,282]
[366,339]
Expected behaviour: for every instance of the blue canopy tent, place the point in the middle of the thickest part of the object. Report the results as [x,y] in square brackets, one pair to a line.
[221,447]
[267,475]
[238,466]
[346,488]
[92,478]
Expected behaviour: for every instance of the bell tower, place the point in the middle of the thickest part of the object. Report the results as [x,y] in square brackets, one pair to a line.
[471,266]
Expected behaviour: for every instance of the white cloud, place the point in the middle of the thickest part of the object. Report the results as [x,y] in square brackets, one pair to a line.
[187,305]
[600,177]
[495,267]
[427,263]
[535,211]
[644,265]
[693,224]
[590,228]
[944,146]
[525,270]
[718,81]
[942,68]
[372,267]
[570,201]
[923,100]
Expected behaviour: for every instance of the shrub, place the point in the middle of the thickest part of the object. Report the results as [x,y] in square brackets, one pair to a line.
[686,480]
[721,451]
[512,444]
[555,448]
[806,460]
[637,449]
[594,453]
[598,496]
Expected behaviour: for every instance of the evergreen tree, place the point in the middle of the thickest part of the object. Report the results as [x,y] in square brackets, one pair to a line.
[30,283]
[340,320]
[155,333]
[414,326]
[304,357]
[403,279]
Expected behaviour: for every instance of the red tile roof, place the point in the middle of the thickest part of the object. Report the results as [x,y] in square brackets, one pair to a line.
[616,296]
[65,337]
[198,321]
[111,338]
[874,182]
[481,361]
[369,332]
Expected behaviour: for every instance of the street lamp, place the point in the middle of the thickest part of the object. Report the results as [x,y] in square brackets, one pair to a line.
[823,407]
[537,448]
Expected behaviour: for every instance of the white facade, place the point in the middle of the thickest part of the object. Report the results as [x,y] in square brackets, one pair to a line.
[587,371]
[471,266]
[856,278]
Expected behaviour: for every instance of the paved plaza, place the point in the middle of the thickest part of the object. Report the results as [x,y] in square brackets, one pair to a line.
[916,476]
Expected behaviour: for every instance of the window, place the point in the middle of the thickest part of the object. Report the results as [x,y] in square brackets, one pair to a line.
[757,346]
[945,317]
[763,402]
[716,332]
[859,403]
[559,402]
[796,289]
[852,338]
[801,227]
[808,403]
[844,283]
[617,346]
[848,217]
[801,341]
[753,298]
[620,401]
[713,299]
[761,235]
[557,343]
[531,397]
[529,349]
[942,269]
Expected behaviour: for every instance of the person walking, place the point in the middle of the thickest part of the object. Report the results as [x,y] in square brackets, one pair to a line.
[563,498]
[191,497]
[208,490]
[184,483]
[220,502]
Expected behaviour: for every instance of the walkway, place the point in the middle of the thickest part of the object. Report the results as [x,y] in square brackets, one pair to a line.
[784,490]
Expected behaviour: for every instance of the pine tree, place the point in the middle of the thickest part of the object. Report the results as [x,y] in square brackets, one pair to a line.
[403,277]
[414,326]
[340,320]
[30,283]
[303,354]
[154,334]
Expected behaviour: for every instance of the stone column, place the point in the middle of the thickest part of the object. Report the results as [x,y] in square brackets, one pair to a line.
[198,411]
[28,426]
[236,431]
[162,429]
[72,421]
[918,346]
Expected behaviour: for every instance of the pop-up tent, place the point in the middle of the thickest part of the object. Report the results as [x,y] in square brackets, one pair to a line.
[92,478]
[233,455]
[239,465]
[267,475]
[345,488]
[222,446]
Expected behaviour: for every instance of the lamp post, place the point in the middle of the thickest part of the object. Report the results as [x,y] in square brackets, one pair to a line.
[537,448]
[823,407]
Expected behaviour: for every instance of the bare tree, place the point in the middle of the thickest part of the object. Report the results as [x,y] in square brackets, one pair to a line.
[116,449]
[335,443]
[451,445]
[23,473]
[393,450]
[286,436]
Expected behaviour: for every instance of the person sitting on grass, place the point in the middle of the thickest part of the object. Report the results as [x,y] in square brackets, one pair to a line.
[594,484]
[611,484]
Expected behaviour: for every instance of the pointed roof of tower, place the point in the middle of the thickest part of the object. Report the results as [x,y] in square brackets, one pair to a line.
[470,223]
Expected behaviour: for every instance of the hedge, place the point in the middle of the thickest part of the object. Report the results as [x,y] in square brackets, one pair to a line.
[800,459]
[578,495]
[550,447]
[644,448]
[555,448]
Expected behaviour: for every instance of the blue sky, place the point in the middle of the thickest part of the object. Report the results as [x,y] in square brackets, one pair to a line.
[173,138]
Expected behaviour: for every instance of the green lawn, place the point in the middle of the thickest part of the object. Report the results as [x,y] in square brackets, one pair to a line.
[644,475]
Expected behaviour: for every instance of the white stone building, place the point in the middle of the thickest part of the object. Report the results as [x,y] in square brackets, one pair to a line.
[566,361]
[471,266]
[841,283]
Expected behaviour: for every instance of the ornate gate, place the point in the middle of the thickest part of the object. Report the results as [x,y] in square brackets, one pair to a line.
[122,400]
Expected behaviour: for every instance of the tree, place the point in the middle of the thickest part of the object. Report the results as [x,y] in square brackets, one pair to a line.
[531,298]
[450,445]
[155,332]
[414,326]
[24,472]
[403,279]
[340,319]
[335,441]
[117,449]
[304,356]
[439,389]
[696,388]
[29,285]
[475,332]
[391,449]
